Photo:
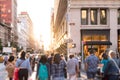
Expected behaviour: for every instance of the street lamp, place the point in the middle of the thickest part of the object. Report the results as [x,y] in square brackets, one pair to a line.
[68,28]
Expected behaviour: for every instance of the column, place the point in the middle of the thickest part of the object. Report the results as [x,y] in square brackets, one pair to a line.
[113,28]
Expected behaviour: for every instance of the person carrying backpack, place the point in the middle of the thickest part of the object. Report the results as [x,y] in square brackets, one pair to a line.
[43,69]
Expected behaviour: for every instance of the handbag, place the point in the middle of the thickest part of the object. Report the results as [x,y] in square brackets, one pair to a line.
[16,71]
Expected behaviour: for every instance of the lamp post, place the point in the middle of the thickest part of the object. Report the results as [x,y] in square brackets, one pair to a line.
[68,28]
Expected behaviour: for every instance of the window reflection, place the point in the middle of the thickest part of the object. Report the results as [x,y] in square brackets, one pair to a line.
[99,37]
[87,38]
[84,16]
[93,16]
[98,48]
[103,16]
[118,43]
[94,38]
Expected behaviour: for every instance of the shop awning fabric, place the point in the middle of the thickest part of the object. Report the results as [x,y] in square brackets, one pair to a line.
[97,43]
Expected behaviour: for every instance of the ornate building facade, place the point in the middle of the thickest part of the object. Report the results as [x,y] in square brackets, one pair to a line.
[87,24]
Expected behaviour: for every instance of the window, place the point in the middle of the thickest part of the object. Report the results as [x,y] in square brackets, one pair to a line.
[84,17]
[93,16]
[103,16]
[118,16]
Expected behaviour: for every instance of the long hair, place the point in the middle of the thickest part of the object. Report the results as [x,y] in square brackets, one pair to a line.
[11,58]
[104,56]
[57,58]
[22,56]
[43,59]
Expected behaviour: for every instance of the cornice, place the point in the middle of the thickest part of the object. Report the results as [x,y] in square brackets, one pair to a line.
[95,3]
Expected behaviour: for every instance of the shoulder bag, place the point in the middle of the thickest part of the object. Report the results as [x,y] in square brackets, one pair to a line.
[15,76]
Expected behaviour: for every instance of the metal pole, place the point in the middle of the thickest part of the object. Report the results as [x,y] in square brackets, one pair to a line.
[82,63]
[82,51]
[68,28]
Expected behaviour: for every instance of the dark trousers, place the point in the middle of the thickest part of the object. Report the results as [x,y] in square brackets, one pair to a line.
[23,74]
[10,79]
[113,77]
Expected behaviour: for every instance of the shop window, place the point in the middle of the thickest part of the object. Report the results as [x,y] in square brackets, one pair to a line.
[87,38]
[95,37]
[103,37]
[119,16]
[93,16]
[118,43]
[103,16]
[84,16]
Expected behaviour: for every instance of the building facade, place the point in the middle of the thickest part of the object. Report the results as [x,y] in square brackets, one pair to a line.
[8,16]
[93,23]
[4,34]
[25,31]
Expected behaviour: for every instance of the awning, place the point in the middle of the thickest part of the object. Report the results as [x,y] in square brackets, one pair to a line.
[97,43]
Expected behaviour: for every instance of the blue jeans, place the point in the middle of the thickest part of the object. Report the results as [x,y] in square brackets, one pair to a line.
[91,75]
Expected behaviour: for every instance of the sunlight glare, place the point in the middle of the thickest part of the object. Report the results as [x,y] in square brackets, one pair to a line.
[40,15]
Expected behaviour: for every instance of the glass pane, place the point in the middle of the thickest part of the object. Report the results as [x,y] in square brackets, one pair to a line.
[103,37]
[103,16]
[119,16]
[93,16]
[84,17]
[87,38]
[95,38]
[118,37]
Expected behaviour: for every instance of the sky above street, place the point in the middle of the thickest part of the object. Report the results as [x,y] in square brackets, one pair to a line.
[39,12]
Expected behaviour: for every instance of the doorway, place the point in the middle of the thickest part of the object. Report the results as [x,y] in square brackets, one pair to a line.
[99,49]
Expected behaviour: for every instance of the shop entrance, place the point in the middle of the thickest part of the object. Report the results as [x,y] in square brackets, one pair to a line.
[98,46]
[99,49]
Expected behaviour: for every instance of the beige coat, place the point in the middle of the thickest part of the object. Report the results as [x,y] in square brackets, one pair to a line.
[10,69]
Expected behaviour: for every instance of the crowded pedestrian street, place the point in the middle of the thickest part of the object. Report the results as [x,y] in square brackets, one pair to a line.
[59,39]
[33,76]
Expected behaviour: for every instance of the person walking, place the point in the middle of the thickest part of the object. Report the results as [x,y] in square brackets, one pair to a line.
[91,64]
[32,62]
[50,61]
[3,71]
[112,67]
[65,69]
[10,66]
[104,62]
[24,67]
[6,59]
[58,67]
[72,67]
[43,69]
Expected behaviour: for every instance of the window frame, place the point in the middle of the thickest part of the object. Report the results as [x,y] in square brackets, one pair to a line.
[96,19]
[105,16]
[118,18]
[86,23]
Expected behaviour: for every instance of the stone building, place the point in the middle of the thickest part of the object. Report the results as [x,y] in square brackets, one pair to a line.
[93,23]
